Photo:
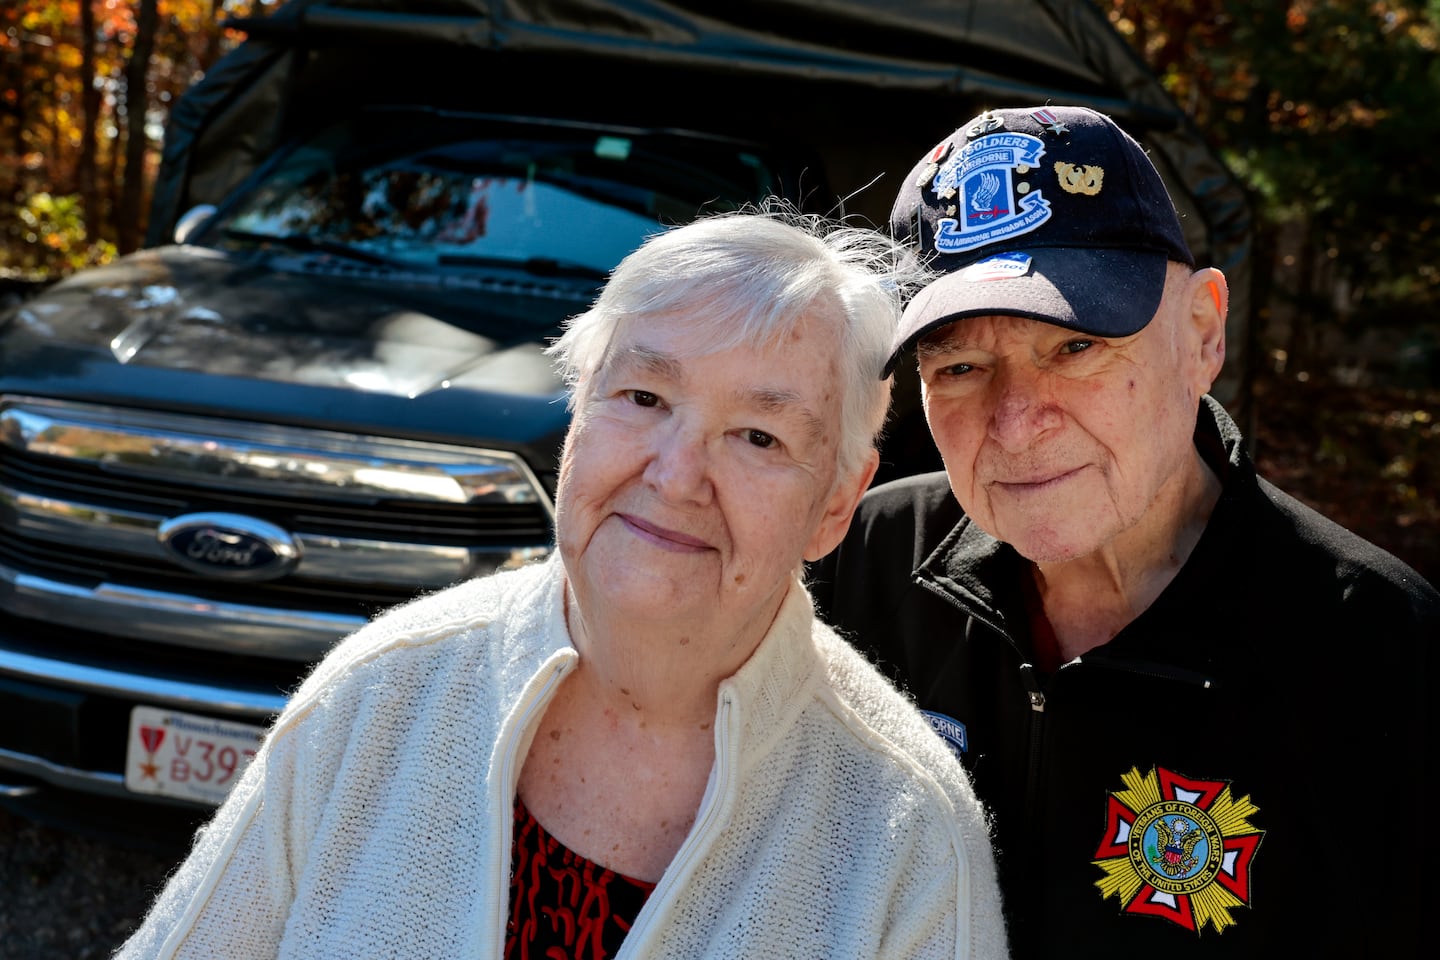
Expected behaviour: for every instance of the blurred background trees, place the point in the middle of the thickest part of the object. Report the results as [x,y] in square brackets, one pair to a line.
[1326,109]
[85,87]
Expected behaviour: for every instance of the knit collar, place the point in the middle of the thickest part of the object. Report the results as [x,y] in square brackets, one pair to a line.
[767,688]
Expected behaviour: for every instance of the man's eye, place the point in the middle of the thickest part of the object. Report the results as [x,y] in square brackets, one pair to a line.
[1076,346]
[644,398]
[760,438]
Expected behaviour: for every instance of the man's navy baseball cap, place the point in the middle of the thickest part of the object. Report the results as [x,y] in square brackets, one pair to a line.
[1050,213]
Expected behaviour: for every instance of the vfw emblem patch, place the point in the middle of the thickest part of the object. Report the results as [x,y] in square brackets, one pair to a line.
[1178,848]
[993,200]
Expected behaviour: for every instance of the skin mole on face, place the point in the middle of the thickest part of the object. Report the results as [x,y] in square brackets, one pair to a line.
[739,578]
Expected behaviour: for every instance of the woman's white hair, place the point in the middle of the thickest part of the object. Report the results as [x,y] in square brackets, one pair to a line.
[753,276]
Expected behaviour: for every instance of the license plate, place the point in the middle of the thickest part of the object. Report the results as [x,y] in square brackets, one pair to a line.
[180,755]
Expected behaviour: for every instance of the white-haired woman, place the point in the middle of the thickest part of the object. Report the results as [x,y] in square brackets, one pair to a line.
[647,742]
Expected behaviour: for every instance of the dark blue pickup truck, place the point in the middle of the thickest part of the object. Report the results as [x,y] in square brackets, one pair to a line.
[320,390]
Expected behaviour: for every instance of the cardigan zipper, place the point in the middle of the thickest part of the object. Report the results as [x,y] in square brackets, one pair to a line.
[637,941]
[503,831]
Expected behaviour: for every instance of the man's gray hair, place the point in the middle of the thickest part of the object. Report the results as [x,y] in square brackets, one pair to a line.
[754,275]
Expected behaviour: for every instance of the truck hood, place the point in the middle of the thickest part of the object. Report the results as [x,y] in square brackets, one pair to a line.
[305,340]
[311,319]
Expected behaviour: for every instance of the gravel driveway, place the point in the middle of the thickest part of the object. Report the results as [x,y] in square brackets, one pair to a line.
[66,897]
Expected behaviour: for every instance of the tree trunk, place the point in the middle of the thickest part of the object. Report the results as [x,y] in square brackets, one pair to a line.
[130,226]
[90,118]
[1302,324]
[213,37]
[15,80]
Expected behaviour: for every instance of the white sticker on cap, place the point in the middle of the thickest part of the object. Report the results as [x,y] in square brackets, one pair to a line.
[1003,266]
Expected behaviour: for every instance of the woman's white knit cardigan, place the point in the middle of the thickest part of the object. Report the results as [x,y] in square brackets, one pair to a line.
[376,820]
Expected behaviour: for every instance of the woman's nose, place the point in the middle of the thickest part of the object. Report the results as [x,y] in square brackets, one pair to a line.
[679,466]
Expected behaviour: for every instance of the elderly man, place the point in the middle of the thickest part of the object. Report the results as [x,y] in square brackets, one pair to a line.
[1197,709]
[647,746]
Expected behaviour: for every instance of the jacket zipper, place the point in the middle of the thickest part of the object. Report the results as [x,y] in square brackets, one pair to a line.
[637,941]
[1159,671]
[1037,707]
[1036,735]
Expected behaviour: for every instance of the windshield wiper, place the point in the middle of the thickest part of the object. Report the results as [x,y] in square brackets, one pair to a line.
[309,243]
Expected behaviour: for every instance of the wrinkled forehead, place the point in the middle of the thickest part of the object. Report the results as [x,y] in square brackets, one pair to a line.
[794,373]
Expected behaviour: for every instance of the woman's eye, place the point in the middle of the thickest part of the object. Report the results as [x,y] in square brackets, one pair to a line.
[760,439]
[644,398]
[1076,346]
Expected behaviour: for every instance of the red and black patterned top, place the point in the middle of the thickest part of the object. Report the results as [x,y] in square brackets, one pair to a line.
[563,906]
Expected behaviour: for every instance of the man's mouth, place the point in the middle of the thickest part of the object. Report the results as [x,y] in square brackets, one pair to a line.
[1038,484]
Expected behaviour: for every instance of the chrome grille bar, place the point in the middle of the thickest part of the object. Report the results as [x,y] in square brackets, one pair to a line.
[174,618]
[263,457]
[85,491]
[87,527]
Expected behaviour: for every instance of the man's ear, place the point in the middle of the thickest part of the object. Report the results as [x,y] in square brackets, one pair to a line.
[841,507]
[1207,296]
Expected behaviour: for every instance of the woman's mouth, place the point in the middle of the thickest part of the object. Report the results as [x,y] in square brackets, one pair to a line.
[663,537]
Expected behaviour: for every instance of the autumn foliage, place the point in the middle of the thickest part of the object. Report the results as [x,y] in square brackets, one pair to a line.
[87,86]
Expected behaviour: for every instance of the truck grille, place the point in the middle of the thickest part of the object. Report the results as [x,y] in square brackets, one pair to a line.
[87,494]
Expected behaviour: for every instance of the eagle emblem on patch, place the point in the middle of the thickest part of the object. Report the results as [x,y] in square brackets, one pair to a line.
[1178,848]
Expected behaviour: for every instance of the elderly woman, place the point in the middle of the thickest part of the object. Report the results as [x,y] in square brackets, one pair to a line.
[647,740]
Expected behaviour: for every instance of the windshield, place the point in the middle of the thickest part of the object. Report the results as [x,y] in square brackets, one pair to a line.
[465,191]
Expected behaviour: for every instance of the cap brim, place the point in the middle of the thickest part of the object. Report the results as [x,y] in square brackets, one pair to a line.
[1105,293]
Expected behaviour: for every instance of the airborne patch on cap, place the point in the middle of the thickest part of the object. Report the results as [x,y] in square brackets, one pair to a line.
[996,202]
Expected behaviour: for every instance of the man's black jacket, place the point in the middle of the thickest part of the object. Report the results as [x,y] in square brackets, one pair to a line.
[1274,698]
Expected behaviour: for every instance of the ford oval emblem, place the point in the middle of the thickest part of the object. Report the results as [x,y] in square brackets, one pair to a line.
[229,545]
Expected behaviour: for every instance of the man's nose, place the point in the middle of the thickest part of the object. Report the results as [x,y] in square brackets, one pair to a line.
[1023,410]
